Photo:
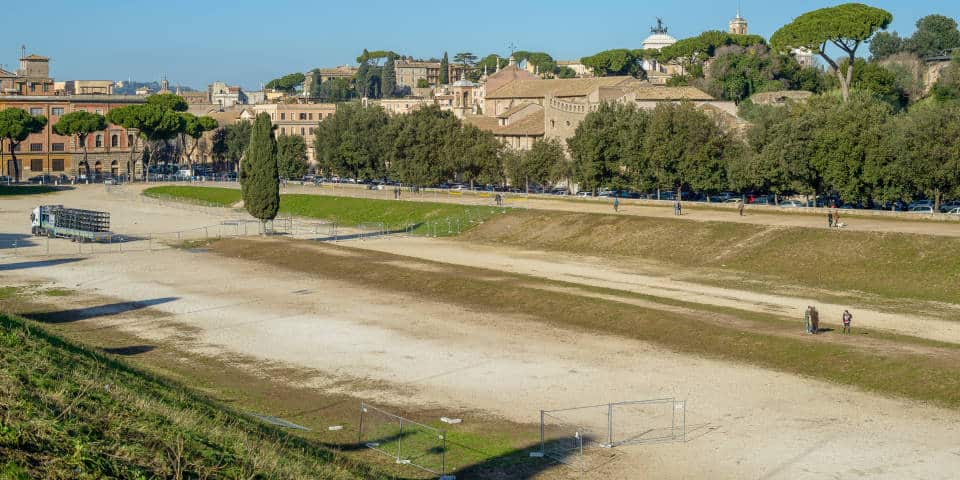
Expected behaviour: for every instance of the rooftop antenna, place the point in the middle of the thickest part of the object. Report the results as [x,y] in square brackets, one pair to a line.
[512,47]
[23,51]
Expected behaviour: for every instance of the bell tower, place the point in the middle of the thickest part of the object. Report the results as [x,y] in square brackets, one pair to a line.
[738,26]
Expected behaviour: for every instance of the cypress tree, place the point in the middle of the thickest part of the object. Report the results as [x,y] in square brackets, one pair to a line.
[445,70]
[261,188]
[389,79]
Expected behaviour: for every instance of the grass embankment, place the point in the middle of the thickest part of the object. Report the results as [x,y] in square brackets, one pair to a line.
[422,217]
[69,412]
[898,366]
[889,265]
[12,190]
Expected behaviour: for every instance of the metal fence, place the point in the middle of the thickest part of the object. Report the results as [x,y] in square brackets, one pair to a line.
[407,442]
[566,434]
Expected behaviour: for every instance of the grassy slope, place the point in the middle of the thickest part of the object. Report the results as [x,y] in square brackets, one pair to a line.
[344,210]
[67,412]
[890,265]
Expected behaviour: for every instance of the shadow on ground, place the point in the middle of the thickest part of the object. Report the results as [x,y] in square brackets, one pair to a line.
[37,264]
[77,314]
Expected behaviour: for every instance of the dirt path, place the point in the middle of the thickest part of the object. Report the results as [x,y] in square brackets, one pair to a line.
[746,422]
[648,279]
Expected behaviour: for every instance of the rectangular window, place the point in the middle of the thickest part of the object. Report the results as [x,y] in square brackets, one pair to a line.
[311,130]
[99,141]
[36,165]
[283,131]
[57,164]
[36,147]
[303,116]
[16,148]
[56,147]
[99,111]
[283,116]
[302,131]
[36,111]
[311,116]
[46,87]
[56,111]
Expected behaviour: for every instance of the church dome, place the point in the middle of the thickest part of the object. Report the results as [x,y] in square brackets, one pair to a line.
[658,41]
[658,37]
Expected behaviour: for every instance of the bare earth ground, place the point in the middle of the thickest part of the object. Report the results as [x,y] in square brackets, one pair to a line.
[746,422]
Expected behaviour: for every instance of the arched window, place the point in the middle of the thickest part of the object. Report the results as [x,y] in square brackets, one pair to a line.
[114,140]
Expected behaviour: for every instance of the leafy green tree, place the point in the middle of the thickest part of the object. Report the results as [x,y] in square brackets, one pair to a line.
[218,147]
[932,150]
[885,44]
[287,83]
[620,61]
[80,124]
[15,126]
[335,90]
[685,148]
[544,163]
[693,52]
[168,101]
[566,72]
[194,127]
[236,141]
[490,63]
[543,62]
[845,26]
[445,70]
[423,83]
[605,146]
[258,173]
[465,58]
[781,143]
[158,120]
[368,81]
[475,155]
[291,156]
[375,57]
[350,142]
[315,83]
[934,34]
[417,146]
[876,78]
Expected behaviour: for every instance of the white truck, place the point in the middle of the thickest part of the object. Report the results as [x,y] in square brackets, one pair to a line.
[73,223]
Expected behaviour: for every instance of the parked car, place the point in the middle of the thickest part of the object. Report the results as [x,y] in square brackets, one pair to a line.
[921,209]
[791,204]
[947,206]
[6,179]
[48,179]
[920,203]
[955,211]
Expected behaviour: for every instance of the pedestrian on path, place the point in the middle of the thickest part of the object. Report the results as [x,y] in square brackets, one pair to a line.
[847,318]
[829,219]
[740,207]
[616,204]
[808,319]
[836,218]
[676,208]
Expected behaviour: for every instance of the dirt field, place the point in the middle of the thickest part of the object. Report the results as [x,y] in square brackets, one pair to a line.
[395,349]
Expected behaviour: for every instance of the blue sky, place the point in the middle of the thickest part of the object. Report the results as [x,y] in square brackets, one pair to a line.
[245,42]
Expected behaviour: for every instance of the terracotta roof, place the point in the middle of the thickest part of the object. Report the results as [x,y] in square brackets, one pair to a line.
[514,110]
[653,92]
[529,126]
[4,73]
[558,87]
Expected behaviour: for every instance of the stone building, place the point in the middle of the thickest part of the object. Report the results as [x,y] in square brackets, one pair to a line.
[343,71]
[32,78]
[410,72]
[49,153]
[295,119]
[226,96]
[578,68]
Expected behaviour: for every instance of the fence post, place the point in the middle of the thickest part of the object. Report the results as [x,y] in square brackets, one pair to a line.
[360,427]
[399,439]
[610,425]
[443,453]
[543,447]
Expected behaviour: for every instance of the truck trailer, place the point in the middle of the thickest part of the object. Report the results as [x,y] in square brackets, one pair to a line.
[73,223]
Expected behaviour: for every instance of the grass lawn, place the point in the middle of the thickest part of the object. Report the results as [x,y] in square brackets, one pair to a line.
[424,217]
[11,190]
[70,412]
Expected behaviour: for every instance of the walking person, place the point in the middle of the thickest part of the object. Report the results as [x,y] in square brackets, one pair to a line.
[836,218]
[676,208]
[616,204]
[814,321]
[740,207]
[808,320]
[829,219]
[847,318]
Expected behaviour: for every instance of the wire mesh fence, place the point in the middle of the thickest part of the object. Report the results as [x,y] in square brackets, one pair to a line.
[407,442]
[567,435]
